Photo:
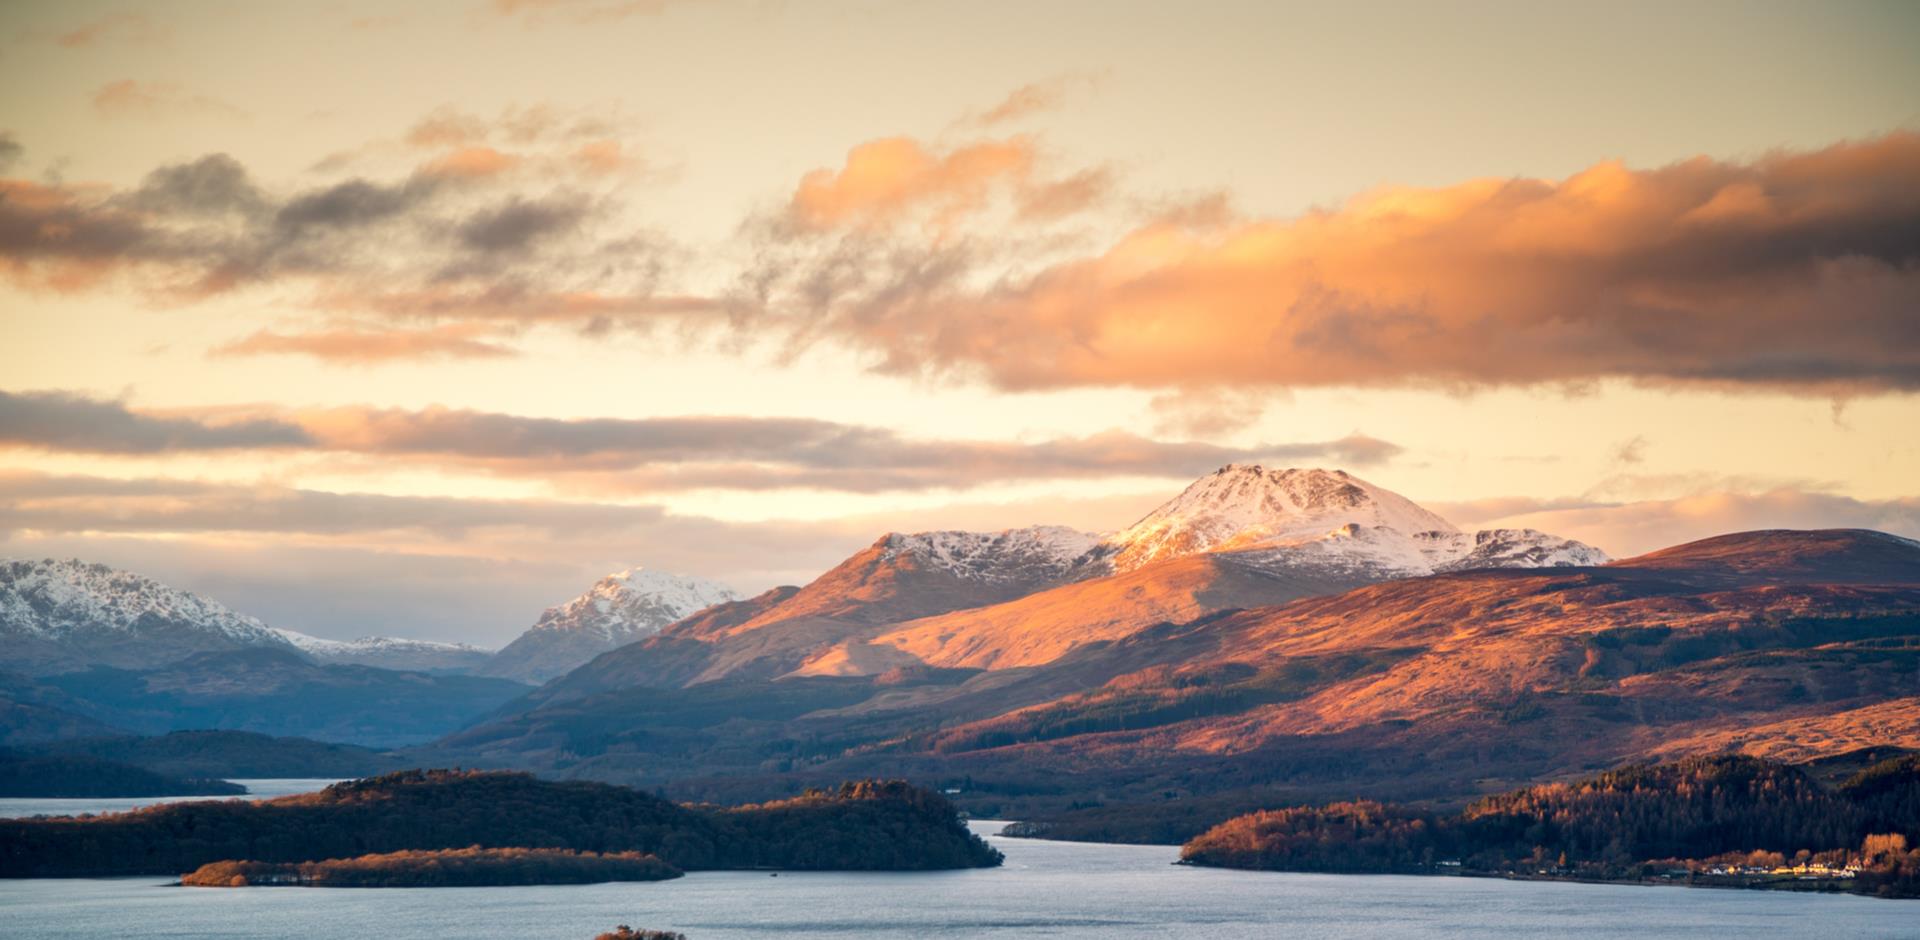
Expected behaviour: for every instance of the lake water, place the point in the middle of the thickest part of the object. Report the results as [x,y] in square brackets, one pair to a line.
[257,789]
[1046,889]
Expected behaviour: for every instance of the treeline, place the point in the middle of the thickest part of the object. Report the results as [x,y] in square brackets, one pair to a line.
[1624,824]
[873,825]
[858,826]
[469,867]
[55,776]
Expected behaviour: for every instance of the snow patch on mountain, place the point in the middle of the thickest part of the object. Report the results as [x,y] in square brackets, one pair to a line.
[1033,554]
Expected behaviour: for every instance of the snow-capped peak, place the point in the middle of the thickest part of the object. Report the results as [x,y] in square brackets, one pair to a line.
[633,603]
[1246,506]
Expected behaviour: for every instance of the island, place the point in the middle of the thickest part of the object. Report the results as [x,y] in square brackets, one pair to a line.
[866,825]
[1723,821]
[473,866]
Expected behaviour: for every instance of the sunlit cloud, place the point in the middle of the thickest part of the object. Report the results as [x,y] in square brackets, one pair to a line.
[1796,270]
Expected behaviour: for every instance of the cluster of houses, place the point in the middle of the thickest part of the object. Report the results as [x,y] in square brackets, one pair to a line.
[1801,870]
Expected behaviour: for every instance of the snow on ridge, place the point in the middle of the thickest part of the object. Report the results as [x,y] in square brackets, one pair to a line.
[60,598]
[1042,551]
[372,644]
[633,603]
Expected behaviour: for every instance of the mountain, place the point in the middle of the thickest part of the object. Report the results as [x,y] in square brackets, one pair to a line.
[1244,536]
[620,608]
[1108,708]
[899,578]
[60,616]
[389,652]
[57,616]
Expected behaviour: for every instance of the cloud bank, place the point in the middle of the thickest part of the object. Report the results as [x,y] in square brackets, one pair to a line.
[638,454]
[1796,270]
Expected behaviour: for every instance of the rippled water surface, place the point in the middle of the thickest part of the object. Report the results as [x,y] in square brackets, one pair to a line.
[1046,889]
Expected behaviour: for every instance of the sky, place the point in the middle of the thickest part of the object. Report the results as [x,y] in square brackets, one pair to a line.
[415,319]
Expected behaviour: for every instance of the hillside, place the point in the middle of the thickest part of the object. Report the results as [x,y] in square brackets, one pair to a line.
[867,826]
[277,692]
[39,775]
[1734,821]
[228,754]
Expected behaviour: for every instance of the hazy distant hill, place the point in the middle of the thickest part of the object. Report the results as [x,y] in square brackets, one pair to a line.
[281,692]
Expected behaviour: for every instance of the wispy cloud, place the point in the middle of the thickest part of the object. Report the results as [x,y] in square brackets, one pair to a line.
[131,98]
[132,27]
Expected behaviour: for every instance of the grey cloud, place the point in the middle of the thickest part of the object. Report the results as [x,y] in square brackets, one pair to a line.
[515,225]
[212,185]
[351,204]
[424,246]
[61,421]
[10,151]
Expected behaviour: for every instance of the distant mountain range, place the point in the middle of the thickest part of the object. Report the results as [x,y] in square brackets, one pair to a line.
[1266,636]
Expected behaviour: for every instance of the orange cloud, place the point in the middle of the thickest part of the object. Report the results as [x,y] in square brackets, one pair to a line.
[470,163]
[601,157]
[1799,270]
[353,345]
[885,178]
